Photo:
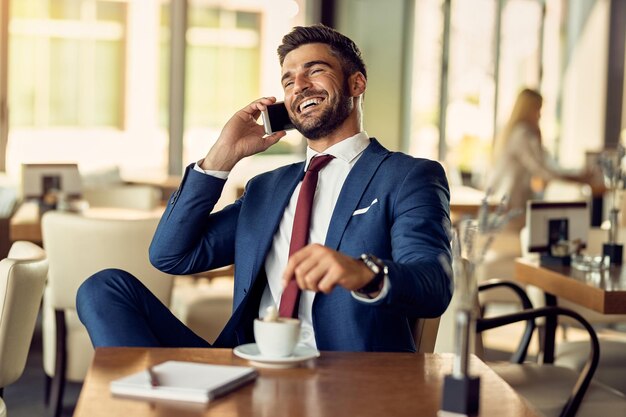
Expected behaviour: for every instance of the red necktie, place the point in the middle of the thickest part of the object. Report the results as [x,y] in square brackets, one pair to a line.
[300,232]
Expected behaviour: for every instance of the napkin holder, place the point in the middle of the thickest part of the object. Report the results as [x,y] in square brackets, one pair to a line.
[556,230]
[614,251]
[461,394]
[461,391]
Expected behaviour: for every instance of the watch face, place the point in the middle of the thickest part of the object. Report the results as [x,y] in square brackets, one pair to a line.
[378,268]
[373,263]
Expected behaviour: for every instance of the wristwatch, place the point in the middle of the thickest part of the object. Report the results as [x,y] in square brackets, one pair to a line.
[380,272]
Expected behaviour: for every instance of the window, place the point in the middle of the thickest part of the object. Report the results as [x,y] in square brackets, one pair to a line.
[520,49]
[470,106]
[477,72]
[89,78]
[222,63]
[66,60]
[426,79]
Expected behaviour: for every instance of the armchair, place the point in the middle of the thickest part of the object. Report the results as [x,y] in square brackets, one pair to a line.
[22,280]
[77,247]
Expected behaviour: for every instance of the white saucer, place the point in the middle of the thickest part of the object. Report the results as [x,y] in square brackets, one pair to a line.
[251,352]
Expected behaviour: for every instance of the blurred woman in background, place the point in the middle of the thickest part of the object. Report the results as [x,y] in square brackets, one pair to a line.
[520,160]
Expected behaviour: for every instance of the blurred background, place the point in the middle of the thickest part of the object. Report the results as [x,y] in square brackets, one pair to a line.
[145,85]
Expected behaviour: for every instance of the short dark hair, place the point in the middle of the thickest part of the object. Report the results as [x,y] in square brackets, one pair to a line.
[340,45]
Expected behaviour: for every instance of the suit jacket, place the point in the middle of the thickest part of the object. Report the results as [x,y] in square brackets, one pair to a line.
[393,206]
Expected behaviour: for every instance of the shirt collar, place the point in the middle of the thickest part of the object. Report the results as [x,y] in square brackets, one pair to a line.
[346,150]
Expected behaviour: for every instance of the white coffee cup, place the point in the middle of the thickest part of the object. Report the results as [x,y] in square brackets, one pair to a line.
[277,338]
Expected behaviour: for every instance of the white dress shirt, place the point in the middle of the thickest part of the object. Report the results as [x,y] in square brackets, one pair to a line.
[331,179]
[522,158]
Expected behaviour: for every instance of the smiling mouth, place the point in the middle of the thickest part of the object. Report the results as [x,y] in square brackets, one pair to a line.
[309,104]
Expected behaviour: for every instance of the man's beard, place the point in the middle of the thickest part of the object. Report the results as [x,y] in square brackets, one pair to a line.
[329,120]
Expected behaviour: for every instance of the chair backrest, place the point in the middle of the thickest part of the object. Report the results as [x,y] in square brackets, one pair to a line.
[22,281]
[131,196]
[79,246]
[425,334]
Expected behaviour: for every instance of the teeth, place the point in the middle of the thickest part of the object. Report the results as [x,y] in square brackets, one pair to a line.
[309,102]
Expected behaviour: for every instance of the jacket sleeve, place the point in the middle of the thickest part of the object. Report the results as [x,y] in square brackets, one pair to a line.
[189,238]
[420,239]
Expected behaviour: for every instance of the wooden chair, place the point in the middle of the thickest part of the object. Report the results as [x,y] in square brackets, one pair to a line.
[425,333]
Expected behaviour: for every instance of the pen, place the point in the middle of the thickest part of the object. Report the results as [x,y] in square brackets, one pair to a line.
[154,379]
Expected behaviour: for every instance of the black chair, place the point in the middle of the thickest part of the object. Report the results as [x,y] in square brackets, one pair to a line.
[553,390]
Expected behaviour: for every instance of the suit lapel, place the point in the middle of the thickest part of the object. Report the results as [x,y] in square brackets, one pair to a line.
[352,191]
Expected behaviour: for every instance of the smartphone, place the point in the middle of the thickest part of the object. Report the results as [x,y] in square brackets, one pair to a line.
[276,118]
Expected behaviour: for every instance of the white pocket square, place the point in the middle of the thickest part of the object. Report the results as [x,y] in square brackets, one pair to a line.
[364,209]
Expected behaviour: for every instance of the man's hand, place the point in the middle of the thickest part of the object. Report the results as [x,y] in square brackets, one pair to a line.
[241,136]
[318,268]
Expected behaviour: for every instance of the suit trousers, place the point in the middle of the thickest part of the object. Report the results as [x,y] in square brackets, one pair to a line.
[118,310]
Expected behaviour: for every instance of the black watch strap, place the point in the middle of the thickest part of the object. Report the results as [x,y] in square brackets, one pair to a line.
[378,268]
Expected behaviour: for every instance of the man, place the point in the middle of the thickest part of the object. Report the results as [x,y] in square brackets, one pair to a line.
[390,209]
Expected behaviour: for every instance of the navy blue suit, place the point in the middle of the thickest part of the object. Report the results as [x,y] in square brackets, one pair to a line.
[407,227]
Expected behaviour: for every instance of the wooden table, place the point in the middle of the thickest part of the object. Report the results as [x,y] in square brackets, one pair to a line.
[601,291]
[25,224]
[335,384]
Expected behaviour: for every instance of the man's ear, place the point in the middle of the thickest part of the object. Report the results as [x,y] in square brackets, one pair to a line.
[357,83]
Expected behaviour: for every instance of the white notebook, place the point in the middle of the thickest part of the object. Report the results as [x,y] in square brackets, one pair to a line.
[184,381]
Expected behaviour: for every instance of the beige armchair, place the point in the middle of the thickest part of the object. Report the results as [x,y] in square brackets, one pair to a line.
[77,247]
[22,280]
[204,305]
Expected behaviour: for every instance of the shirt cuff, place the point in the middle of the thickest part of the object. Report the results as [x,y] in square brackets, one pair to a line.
[218,174]
[383,293]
